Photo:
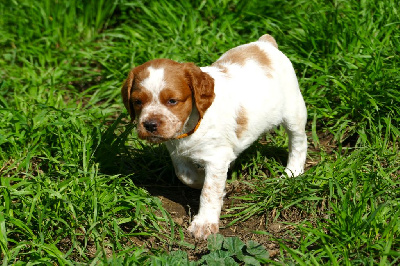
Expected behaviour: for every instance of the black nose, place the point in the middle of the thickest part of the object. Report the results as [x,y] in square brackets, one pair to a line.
[150,125]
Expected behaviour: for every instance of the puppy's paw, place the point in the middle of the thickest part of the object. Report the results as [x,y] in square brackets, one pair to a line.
[201,228]
[293,172]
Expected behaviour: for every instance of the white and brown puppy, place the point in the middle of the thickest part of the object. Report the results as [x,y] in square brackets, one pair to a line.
[208,115]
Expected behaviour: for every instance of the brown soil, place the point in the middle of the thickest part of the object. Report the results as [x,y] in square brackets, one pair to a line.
[182,204]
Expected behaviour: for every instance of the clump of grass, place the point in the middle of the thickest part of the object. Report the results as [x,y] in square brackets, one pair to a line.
[349,208]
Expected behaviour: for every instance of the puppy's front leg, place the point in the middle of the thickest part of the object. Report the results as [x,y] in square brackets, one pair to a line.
[206,222]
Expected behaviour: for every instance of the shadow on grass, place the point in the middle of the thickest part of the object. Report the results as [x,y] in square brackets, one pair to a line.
[258,159]
[150,167]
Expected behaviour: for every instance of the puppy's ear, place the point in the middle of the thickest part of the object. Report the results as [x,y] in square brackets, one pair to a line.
[202,86]
[126,94]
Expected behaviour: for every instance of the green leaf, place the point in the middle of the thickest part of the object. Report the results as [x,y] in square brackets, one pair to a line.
[214,242]
[235,246]
[248,260]
[257,250]
[3,237]
[219,257]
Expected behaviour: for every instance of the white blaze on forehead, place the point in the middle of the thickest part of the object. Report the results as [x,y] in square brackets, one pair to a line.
[155,82]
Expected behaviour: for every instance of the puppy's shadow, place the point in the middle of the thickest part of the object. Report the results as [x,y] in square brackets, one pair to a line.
[120,152]
[258,158]
[150,167]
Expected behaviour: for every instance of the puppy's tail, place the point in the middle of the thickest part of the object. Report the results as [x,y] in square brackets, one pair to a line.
[268,38]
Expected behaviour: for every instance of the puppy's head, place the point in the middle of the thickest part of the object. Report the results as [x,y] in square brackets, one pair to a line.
[161,94]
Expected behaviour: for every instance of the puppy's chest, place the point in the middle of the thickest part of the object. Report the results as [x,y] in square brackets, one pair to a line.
[195,150]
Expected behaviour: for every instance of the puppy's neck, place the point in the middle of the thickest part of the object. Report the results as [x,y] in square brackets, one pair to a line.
[191,121]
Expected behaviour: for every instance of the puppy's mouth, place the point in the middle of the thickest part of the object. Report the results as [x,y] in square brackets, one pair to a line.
[152,137]
[155,139]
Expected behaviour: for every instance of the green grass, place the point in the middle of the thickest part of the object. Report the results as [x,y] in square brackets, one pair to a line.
[71,166]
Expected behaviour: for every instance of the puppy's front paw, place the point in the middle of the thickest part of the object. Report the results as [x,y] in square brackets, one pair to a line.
[294,172]
[201,228]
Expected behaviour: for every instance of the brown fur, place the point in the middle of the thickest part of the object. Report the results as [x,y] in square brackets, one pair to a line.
[241,122]
[268,38]
[202,86]
[241,55]
[142,94]
[183,95]
[135,74]
[126,94]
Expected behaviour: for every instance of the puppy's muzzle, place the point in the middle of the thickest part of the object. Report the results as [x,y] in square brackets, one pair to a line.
[151,125]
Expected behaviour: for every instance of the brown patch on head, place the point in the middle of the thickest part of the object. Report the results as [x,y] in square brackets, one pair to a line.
[268,38]
[181,99]
[241,122]
[136,75]
[202,86]
[182,81]
[176,89]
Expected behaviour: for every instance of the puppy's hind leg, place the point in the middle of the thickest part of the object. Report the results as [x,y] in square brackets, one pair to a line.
[295,127]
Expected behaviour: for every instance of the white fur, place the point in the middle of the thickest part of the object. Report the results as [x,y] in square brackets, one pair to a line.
[269,97]
[155,81]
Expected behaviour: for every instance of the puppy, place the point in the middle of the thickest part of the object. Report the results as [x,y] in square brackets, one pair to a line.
[208,115]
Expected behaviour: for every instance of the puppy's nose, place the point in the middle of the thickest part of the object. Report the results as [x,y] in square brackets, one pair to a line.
[151,125]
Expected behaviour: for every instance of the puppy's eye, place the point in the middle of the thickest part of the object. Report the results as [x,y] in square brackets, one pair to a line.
[137,102]
[172,102]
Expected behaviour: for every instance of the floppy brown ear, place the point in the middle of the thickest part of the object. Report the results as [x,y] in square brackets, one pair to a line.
[126,94]
[202,86]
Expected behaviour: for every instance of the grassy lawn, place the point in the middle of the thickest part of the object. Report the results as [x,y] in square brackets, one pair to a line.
[78,187]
